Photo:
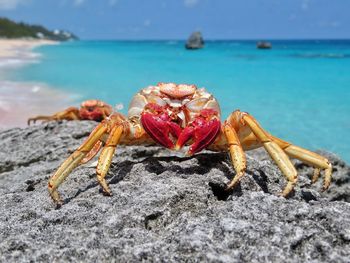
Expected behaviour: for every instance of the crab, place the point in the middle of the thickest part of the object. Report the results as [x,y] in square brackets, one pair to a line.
[96,110]
[177,116]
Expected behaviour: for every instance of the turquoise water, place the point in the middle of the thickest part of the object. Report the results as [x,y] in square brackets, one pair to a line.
[299,90]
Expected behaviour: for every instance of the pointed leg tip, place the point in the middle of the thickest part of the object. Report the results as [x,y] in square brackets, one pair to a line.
[230,186]
[104,187]
[58,203]
[31,121]
[286,193]
[105,193]
[325,188]
[227,188]
[55,196]
[282,195]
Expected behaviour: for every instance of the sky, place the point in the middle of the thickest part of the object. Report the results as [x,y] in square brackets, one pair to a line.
[176,19]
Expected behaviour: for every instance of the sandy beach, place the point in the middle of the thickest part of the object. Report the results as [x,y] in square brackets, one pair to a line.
[19,100]
[20,48]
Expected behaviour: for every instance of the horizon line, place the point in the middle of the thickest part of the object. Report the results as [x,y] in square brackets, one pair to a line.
[217,39]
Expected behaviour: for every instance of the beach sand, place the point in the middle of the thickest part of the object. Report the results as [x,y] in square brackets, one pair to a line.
[19,48]
[19,100]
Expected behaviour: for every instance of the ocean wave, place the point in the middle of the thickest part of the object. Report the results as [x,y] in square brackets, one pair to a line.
[322,55]
[247,56]
[15,62]
[172,42]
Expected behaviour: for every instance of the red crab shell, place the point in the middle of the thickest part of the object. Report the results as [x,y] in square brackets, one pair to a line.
[174,115]
[94,110]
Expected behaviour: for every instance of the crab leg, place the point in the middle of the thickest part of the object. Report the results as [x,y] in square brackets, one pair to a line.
[74,160]
[105,159]
[275,151]
[92,153]
[237,154]
[71,113]
[308,157]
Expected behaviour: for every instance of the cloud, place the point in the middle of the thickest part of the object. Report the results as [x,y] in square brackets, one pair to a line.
[147,22]
[191,3]
[11,4]
[78,2]
[305,4]
[330,24]
[112,2]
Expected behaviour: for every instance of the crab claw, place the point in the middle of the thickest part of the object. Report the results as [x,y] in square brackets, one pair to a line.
[159,126]
[203,129]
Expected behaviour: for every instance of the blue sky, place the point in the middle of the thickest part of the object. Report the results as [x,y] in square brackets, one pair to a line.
[176,19]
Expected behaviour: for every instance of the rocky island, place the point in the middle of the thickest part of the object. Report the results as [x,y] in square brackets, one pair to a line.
[195,41]
[165,207]
[263,45]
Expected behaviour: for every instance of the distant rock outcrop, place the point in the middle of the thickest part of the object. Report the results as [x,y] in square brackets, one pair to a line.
[195,41]
[263,45]
[11,29]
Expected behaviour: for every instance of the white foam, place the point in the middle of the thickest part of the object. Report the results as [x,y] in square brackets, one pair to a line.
[36,88]
[15,62]
[5,106]
[10,62]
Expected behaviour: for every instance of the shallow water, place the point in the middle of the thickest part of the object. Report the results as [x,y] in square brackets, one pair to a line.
[299,90]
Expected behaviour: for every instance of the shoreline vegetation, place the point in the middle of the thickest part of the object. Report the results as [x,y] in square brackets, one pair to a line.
[13,30]
[20,100]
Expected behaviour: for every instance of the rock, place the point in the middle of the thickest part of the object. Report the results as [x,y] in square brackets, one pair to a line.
[263,45]
[195,41]
[165,208]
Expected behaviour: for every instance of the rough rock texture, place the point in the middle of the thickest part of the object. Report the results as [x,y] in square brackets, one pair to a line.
[195,41]
[164,208]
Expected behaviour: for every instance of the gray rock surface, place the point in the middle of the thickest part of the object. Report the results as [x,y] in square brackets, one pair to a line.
[195,41]
[164,208]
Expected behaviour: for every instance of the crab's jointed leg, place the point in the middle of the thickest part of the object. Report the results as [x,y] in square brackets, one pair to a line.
[108,132]
[105,159]
[74,160]
[308,157]
[71,113]
[237,154]
[251,135]
[275,151]
[92,153]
